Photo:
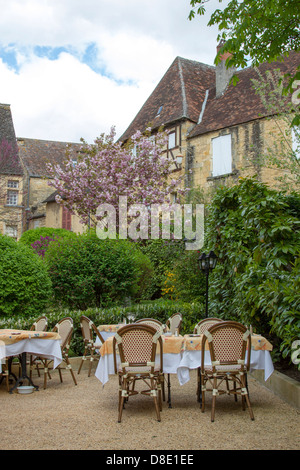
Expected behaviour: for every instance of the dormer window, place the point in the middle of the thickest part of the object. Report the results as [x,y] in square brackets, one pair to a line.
[159,111]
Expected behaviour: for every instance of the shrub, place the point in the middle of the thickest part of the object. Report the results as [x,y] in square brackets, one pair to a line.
[163,255]
[31,236]
[25,286]
[255,233]
[89,272]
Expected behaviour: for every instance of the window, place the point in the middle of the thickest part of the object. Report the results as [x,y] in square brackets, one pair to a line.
[12,192]
[222,164]
[11,231]
[172,140]
[13,184]
[159,111]
[66,219]
[12,198]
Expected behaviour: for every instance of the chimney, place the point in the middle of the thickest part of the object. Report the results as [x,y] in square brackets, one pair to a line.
[223,75]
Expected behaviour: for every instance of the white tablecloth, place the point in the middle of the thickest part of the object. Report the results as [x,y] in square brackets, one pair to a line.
[182,363]
[49,348]
[2,354]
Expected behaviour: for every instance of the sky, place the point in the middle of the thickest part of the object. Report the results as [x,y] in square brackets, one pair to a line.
[72,69]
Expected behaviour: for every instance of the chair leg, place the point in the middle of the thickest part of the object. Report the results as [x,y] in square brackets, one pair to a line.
[154,394]
[82,360]
[122,395]
[213,404]
[70,368]
[245,395]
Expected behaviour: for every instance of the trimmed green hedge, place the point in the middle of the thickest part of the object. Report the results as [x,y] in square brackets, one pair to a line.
[159,309]
[25,286]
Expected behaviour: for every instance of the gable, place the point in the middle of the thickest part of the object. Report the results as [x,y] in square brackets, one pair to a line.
[179,95]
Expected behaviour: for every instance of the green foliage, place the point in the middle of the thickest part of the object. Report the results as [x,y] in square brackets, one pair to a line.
[256,31]
[25,286]
[89,272]
[255,233]
[189,280]
[163,255]
[31,236]
[159,309]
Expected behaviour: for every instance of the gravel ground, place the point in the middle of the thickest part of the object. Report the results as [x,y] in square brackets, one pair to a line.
[84,417]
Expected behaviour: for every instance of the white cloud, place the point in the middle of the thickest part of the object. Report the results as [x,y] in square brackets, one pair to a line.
[133,44]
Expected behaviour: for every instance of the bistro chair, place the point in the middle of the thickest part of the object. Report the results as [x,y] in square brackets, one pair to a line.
[158,325]
[65,330]
[92,342]
[40,324]
[137,344]
[228,342]
[203,325]
[152,322]
[174,323]
[199,329]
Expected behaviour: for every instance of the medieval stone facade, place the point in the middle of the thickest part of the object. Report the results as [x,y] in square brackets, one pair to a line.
[218,132]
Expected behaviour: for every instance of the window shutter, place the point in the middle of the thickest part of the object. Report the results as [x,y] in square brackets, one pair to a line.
[222,155]
[66,219]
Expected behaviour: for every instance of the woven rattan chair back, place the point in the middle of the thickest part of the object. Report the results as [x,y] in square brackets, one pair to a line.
[137,347]
[152,322]
[174,323]
[228,343]
[65,329]
[40,324]
[203,325]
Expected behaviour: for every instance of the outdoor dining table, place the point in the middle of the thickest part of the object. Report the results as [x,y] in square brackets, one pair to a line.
[2,354]
[37,343]
[183,353]
[107,331]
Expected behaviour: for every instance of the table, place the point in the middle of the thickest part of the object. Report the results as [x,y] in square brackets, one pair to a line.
[183,353]
[108,330]
[191,356]
[38,343]
[2,354]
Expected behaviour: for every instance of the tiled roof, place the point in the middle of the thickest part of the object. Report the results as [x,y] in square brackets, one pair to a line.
[180,93]
[35,154]
[11,166]
[182,90]
[240,103]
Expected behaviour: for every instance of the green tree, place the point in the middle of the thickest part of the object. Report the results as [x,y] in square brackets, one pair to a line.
[256,31]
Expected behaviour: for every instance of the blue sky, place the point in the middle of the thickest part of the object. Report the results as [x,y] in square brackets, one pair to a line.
[72,69]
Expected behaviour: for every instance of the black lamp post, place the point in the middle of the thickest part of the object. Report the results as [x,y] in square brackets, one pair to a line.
[207,263]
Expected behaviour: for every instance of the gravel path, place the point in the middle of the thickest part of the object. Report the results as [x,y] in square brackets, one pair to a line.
[69,417]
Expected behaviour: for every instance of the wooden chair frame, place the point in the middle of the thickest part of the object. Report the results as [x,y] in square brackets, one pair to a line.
[89,331]
[141,366]
[228,365]
[200,329]
[65,346]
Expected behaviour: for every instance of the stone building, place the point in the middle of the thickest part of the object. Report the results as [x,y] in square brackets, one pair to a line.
[12,178]
[26,199]
[218,132]
[221,130]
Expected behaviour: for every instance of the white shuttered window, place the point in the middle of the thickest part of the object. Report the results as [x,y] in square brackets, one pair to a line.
[222,159]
